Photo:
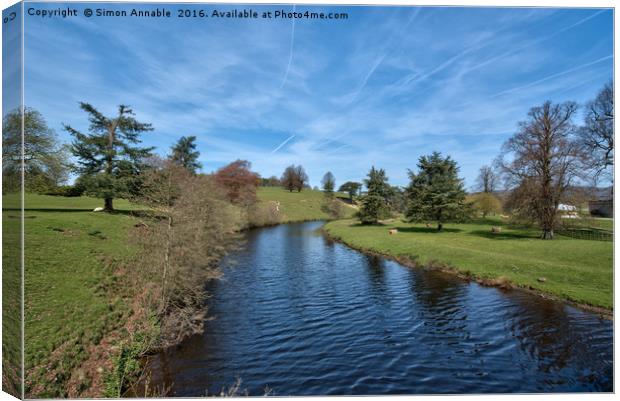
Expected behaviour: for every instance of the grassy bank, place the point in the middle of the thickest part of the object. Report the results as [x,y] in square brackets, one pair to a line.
[73,293]
[299,206]
[77,300]
[573,269]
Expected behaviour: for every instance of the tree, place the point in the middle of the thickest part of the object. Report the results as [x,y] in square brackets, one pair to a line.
[184,154]
[486,203]
[597,135]
[487,180]
[374,204]
[272,181]
[436,192]
[329,183]
[541,160]
[45,160]
[294,178]
[350,187]
[239,182]
[191,226]
[108,157]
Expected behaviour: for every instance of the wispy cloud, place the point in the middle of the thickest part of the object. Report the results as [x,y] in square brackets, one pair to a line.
[397,83]
[559,74]
[290,54]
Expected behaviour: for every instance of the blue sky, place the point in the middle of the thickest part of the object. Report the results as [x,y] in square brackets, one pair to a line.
[382,88]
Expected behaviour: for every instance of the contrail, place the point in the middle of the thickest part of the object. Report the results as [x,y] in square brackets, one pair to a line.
[290,56]
[283,143]
[579,67]
[535,42]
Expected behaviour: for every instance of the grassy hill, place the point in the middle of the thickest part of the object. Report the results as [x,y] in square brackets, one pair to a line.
[299,206]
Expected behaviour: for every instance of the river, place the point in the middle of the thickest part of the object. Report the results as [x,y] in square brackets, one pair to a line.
[299,314]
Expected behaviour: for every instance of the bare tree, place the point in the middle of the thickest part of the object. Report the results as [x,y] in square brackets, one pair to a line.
[294,178]
[597,135]
[487,180]
[541,160]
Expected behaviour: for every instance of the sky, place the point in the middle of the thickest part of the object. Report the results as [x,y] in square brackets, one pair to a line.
[382,87]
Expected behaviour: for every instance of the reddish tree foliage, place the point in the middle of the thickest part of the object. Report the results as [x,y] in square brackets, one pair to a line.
[239,182]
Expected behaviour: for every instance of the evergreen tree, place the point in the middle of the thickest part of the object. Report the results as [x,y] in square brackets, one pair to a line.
[184,154]
[108,158]
[350,187]
[436,193]
[374,204]
[329,183]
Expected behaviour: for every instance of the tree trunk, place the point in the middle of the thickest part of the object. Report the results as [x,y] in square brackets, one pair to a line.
[108,205]
[547,233]
[439,226]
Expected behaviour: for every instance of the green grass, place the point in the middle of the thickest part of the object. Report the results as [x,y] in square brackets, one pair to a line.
[298,206]
[11,300]
[70,253]
[46,202]
[578,270]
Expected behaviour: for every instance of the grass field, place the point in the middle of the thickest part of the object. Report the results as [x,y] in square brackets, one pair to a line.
[70,301]
[578,270]
[299,206]
[71,297]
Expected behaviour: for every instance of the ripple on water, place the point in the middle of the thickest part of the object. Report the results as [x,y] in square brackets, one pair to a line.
[304,315]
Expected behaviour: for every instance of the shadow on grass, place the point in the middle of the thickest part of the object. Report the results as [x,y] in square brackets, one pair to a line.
[428,230]
[368,225]
[61,210]
[502,235]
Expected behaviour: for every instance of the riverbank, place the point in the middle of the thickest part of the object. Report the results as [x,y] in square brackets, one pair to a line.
[82,312]
[579,271]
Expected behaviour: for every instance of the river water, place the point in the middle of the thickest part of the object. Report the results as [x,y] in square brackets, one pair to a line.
[299,314]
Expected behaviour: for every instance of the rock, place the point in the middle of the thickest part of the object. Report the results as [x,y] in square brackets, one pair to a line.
[496,230]
[98,209]
[393,231]
[541,279]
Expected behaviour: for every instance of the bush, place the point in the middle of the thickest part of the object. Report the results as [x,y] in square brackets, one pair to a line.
[66,190]
[263,214]
[334,208]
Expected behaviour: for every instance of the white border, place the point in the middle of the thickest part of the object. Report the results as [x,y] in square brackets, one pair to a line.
[475,3]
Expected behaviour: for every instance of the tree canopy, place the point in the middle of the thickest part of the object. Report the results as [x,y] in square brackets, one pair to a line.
[239,182]
[541,161]
[294,178]
[329,183]
[350,187]
[374,204]
[45,160]
[184,154]
[597,134]
[436,192]
[108,156]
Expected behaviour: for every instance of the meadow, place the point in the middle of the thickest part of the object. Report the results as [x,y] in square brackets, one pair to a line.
[299,206]
[572,269]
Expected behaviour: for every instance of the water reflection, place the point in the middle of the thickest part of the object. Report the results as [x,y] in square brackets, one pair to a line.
[307,316]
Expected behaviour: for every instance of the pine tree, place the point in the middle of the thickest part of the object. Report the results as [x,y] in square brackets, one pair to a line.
[374,204]
[436,192]
[184,154]
[107,156]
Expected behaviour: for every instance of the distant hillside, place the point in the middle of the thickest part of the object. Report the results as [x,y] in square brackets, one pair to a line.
[299,206]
